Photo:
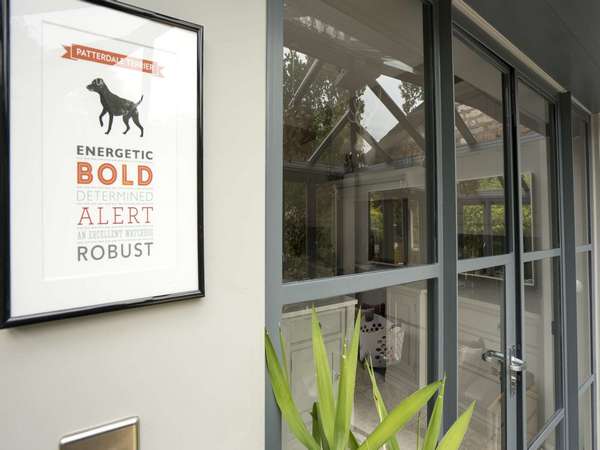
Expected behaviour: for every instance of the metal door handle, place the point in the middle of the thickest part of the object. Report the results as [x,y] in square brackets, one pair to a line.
[492,355]
[516,364]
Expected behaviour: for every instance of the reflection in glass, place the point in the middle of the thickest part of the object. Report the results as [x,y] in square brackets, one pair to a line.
[537,157]
[480,325]
[482,217]
[550,442]
[479,138]
[580,180]
[393,335]
[395,227]
[584,335]
[542,345]
[354,138]
[585,420]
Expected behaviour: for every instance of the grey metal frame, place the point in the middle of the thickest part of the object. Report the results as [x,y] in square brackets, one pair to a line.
[555,423]
[445,331]
[568,260]
[590,383]
[274,202]
[443,270]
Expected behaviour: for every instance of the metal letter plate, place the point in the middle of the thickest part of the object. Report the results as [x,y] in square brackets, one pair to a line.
[120,435]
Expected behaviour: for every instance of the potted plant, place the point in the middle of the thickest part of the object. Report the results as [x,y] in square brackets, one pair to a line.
[331,415]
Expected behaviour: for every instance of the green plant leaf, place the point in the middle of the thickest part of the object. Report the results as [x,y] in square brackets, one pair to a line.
[435,422]
[345,399]
[324,379]
[456,433]
[283,396]
[317,422]
[316,432]
[380,404]
[399,416]
[352,442]
[282,344]
[377,397]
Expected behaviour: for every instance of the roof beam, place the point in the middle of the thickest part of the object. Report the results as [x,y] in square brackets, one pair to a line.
[464,129]
[364,133]
[344,17]
[327,140]
[391,105]
[311,74]
[301,39]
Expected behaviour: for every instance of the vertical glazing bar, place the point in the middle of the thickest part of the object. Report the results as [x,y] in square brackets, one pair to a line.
[594,184]
[591,263]
[569,272]
[435,363]
[447,304]
[274,201]
[514,279]
[509,386]
[592,269]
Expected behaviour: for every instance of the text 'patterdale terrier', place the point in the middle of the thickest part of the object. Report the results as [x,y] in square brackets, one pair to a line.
[116,106]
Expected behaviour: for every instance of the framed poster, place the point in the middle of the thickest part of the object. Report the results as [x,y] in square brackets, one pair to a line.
[101,162]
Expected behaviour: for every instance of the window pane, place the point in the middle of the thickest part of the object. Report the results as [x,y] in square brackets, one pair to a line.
[580,184]
[585,420]
[583,317]
[537,156]
[393,335]
[480,325]
[354,138]
[542,344]
[479,136]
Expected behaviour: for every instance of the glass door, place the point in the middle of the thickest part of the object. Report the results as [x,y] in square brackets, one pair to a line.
[539,326]
[486,269]
[509,347]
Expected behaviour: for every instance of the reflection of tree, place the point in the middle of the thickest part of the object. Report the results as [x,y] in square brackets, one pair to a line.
[527,230]
[412,96]
[377,227]
[306,123]
[376,217]
[314,113]
[294,231]
[325,230]
[526,210]
[308,119]
[485,197]
[473,219]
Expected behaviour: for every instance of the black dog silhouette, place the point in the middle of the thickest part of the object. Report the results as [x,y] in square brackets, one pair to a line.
[116,106]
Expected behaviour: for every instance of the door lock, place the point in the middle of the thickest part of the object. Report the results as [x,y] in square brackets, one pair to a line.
[517,365]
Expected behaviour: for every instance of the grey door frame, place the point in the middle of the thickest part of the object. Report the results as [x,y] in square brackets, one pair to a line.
[509,259]
[590,383]
[443,273]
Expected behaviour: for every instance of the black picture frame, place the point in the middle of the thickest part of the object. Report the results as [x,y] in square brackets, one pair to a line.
[6,319]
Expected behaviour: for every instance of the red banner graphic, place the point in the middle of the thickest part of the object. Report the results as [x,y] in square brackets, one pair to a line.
[81,52]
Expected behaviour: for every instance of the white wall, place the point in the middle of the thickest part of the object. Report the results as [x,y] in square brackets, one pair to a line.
[193,371]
